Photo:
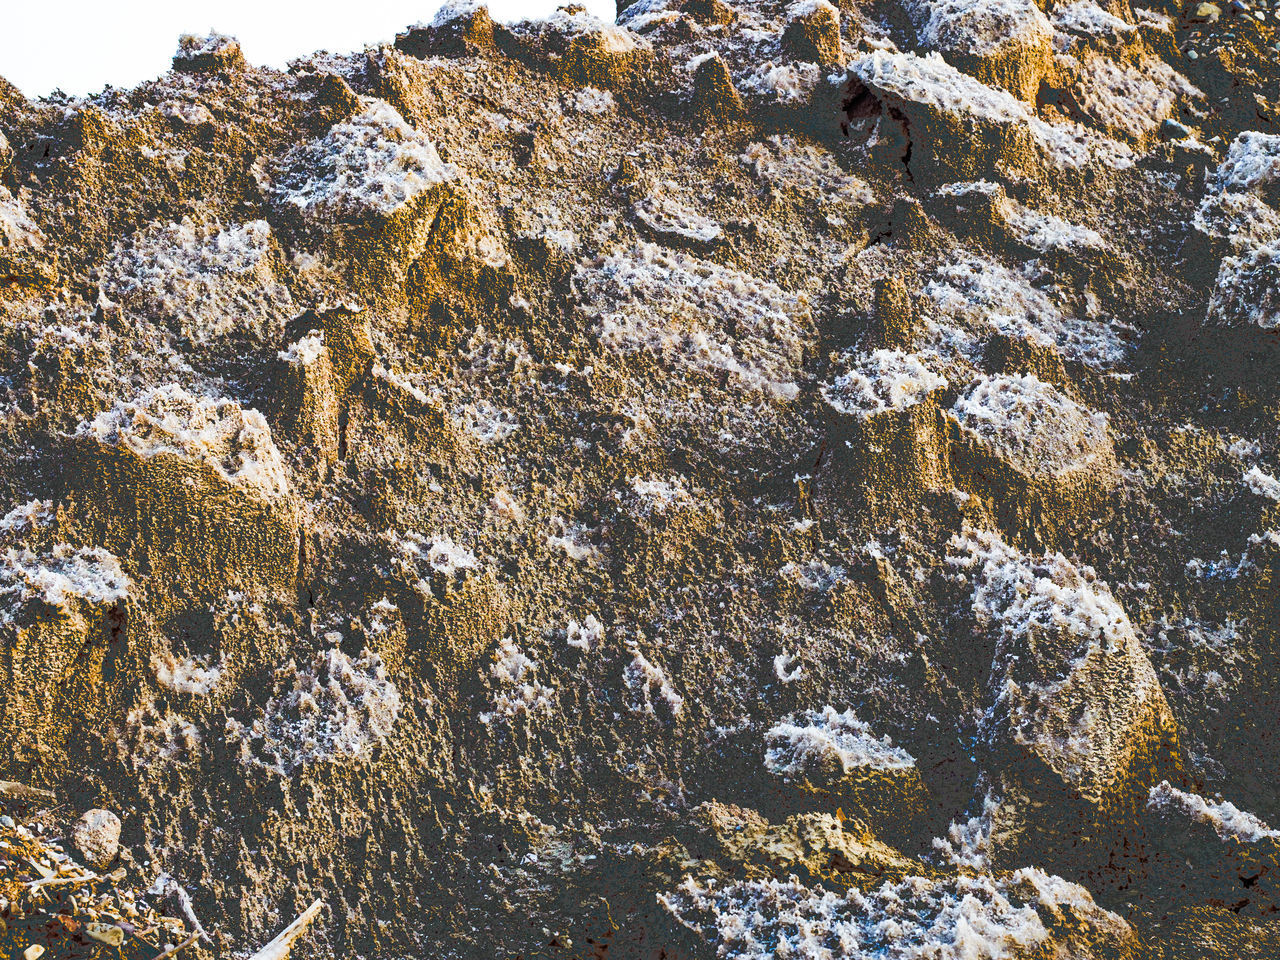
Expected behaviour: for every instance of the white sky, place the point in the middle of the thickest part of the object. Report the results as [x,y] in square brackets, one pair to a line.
[83,45]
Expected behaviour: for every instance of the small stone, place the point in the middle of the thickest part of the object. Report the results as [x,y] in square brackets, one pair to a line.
[1173,130]
[33,952]
[1206,12]
[97,836]
[7,822]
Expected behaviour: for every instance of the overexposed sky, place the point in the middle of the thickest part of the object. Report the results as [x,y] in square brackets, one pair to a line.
[83,45]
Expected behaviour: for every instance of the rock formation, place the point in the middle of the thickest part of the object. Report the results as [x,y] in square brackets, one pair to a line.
[744,480]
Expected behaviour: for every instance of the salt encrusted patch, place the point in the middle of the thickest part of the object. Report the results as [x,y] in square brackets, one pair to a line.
[575,540]
[967,845]
[932,82]
[958,918]
[1252,165]
[17,230]
[208,279]
[1088,19]
[186,112]
[1228,821]
[188,675]
[978,27]
[1132,98]
[372,163]
[1033,424]
[1020,596]
[305,351]
[881,381]
[168,420]
[1031,603]
[438,555]
[149,737]
[786,668]
[781,82]
[647,684]
[1241,219]
[816,575]
[60,577]
[1263,484]
[192,46]
[805,168]
[519,690]
[681,309]
[670,219]
[401,382]
[333,709]
[1248,288]
[450,11]
[655,496]
[588,100]
[585,635]
[645,15]
[486,422]
[985,295]
[1047,233]
[823,740]
[572,22]
[26,517]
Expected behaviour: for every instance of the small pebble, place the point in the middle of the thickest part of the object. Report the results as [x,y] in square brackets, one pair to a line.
[7,822]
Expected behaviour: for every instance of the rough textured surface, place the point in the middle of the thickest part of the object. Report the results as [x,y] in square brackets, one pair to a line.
[748,480]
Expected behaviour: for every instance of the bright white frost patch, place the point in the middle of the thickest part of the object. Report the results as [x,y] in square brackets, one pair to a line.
[1039,429]
[646,684]
[984,295]
[439,555]
[333,709]
[781,83]
[823,740]
[932,82]
[670,219]
[1263,484]
[979,27]
[519,691]
[786,669]
[585,635]
[167,420]
[1252,165]
[881,381]
[1086,17]
[305,351]
[61,577]
[186,675]
[1047,233]
[1227,820]
[680,309]
[26,517]
[961,918]
[372,163]
[208,279]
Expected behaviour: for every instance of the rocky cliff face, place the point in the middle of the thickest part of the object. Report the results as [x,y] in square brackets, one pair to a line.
[741,481]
